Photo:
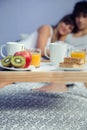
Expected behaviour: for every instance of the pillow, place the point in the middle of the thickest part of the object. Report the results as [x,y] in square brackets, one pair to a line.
[24,36]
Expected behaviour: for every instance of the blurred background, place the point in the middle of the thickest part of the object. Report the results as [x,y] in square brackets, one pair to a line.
[25,16]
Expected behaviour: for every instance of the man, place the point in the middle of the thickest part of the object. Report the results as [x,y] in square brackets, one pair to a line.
[77,39]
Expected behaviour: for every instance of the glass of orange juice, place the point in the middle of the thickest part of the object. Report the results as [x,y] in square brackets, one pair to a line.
[36,57]
[81,53]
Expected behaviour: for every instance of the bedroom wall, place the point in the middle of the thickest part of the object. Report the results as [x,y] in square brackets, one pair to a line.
[25,16]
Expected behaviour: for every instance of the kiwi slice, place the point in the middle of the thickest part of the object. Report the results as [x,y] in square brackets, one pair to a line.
[18,61]
[7,61]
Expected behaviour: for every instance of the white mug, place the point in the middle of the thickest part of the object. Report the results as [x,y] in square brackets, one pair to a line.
[58,51]
[11,48]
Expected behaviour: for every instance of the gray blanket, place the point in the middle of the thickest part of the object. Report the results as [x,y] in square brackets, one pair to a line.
[23,109]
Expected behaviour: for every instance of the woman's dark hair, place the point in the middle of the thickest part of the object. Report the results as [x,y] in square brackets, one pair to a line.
[80,8]
[67,19]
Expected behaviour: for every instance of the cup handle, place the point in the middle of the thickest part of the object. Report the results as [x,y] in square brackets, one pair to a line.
[45,52]
[22,48]
[69,50]
[2,50]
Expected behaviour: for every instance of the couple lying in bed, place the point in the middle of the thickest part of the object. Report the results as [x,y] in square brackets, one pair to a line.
[71,28]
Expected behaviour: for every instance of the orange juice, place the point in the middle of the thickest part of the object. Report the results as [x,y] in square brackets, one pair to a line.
[79,54]
[36,57]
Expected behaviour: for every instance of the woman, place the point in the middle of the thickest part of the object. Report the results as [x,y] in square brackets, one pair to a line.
[48,34]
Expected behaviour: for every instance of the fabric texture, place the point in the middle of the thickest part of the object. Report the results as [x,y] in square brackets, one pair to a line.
[78,42]
[23,109]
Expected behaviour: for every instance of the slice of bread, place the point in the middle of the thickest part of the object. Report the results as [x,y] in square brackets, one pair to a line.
[69,65]
[79,61]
